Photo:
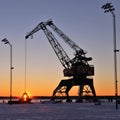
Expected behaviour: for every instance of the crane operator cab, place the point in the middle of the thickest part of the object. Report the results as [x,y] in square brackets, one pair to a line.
[79,69]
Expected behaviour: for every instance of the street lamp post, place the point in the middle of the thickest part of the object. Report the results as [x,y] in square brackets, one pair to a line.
[11,67]
[108,7]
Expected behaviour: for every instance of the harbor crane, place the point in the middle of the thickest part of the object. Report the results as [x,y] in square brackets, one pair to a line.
[77,69]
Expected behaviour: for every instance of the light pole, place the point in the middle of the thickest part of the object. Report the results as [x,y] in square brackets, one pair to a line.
[108,7]
[11,67]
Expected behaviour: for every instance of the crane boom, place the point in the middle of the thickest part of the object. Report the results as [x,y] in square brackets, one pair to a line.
[61,54]
[37,28]
[71,43]
[79,53]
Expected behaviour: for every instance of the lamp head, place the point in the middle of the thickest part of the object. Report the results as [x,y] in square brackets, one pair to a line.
[5,40]
[108,7]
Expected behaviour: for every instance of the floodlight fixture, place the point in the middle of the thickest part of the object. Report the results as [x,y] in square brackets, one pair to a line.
[108,7]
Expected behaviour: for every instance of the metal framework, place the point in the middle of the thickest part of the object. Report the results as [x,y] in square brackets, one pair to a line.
[77,68]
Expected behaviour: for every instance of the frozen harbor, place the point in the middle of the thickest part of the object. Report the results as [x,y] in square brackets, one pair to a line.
[59,111]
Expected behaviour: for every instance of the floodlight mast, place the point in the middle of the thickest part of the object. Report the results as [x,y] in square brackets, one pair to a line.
[11,67]
[108,7]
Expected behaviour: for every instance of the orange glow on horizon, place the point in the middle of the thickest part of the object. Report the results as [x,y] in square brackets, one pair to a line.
[44,85]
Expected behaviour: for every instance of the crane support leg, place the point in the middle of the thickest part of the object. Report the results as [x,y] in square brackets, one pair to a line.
[68,84]
[90,83]
[81,90]
[64,83]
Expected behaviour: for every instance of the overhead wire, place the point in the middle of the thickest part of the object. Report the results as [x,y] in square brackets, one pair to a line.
[25,79]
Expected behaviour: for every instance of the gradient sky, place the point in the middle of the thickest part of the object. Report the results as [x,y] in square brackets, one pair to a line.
[82,20]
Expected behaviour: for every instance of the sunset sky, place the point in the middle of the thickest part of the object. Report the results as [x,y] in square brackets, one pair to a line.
[82,20]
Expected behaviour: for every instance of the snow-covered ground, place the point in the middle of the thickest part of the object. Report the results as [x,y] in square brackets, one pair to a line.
[59,111]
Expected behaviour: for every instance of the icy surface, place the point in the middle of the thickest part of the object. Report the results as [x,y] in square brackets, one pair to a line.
[59,111]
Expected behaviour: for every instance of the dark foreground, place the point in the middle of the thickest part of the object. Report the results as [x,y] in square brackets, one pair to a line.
[60,111]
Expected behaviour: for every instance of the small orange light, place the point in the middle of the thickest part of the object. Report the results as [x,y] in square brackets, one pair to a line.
[25,97]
